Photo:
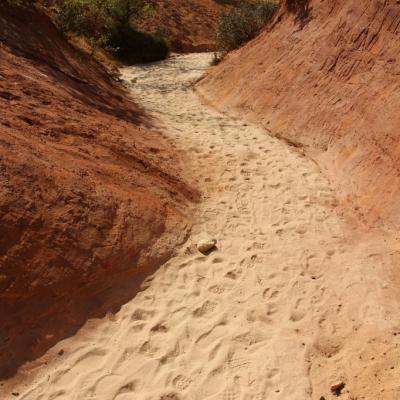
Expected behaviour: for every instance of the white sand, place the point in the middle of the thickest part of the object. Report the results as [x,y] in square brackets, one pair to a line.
[291,302]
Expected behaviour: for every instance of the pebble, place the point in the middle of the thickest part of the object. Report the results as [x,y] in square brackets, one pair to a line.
[337,388]
[207,244]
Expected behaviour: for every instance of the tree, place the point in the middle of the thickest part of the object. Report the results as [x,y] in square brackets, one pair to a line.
[108,24]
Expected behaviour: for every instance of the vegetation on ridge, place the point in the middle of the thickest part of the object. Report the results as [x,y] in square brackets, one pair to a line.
[243,22]
[109,24]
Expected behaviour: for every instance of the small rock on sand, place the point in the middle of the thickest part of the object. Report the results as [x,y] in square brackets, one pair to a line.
[337,388]
[205,245]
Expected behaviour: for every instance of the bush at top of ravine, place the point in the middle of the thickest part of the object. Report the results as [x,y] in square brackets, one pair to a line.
[243,23]
[108,24]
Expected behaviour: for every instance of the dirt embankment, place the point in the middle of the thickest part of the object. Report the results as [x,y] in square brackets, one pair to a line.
[90,199]
[188,25]
[326,76]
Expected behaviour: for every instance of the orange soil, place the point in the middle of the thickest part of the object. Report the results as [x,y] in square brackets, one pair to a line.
[89,196]
[188,25]
[326,77]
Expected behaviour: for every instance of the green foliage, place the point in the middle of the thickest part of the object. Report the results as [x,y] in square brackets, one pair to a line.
[134,46]
[108,24]
[90,18]
[243,23]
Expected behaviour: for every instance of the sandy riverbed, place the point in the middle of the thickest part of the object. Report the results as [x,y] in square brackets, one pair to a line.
[290,303]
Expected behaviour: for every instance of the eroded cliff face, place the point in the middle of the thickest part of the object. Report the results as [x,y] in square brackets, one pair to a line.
[91,201]
[326,76]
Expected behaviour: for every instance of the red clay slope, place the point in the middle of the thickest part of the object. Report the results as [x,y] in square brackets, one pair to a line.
[327,75]
[90,203]
[188,25]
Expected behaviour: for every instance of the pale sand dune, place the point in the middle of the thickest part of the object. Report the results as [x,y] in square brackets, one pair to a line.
[290,303]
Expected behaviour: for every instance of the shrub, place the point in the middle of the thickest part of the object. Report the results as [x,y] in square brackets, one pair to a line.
[243,23]
[134,46]
[89,18]
[108,24]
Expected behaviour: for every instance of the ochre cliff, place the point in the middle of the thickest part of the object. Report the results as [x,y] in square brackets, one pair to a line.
[91,200]
[326,76]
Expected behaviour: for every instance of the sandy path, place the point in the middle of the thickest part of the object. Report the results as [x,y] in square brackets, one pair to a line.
[289,304]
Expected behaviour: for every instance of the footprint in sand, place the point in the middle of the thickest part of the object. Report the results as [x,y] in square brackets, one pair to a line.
[181,382]
[206,308]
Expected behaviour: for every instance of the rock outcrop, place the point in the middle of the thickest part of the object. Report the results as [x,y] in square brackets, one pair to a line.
[326,76]
[91,200]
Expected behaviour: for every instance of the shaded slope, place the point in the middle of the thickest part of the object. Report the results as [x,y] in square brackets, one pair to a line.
[89,201]
[326,76]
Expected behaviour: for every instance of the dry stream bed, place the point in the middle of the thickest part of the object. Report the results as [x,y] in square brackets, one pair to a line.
[292,301]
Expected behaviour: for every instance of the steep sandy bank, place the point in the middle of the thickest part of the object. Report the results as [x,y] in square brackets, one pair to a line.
[290,304]
[327,76]
[89,201]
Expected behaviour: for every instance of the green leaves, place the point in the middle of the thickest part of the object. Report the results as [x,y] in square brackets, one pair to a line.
[97,19]
[108,24]
[243,23]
